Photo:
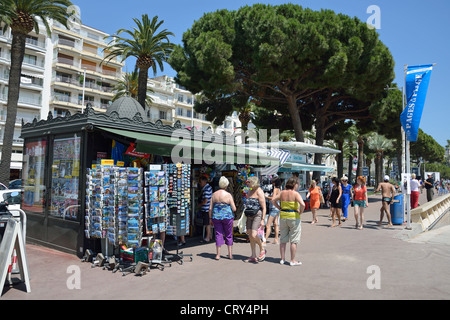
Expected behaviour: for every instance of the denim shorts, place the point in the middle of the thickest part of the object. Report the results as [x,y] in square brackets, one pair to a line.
[274,212]
[359,203]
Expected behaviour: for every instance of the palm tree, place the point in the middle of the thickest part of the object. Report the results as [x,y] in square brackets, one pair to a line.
[379,144]
[22,17]
[150,47]
[128,87]
[351,136]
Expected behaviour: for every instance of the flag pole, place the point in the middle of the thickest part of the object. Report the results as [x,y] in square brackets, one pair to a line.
[408,165]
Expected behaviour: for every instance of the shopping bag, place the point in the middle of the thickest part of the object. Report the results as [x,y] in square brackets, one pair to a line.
[261,234]
[242,224]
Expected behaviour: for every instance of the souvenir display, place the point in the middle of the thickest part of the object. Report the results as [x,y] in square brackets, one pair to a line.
[119,197]
[155,196]
[114,205]
[178,198]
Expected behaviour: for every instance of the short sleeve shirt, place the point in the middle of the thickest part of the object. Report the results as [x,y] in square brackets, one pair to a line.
[206,195]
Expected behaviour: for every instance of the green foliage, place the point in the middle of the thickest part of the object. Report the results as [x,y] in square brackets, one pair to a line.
[13,12]
[385,113]
[128,87]
[281,56]
[145,41]
[427,148]
[148,44]
[439,167]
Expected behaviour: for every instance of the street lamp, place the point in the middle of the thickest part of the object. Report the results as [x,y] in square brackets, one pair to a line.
[405,160]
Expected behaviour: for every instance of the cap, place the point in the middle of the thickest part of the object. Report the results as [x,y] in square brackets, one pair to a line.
[386,178]
[344,178]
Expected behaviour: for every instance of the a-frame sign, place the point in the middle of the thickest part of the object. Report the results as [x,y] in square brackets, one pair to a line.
[13,238]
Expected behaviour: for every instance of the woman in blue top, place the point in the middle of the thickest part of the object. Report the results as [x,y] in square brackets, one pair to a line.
[221,215]
[346,196]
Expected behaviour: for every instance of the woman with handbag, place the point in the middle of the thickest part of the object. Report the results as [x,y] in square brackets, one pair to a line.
[255,211]
[315,198]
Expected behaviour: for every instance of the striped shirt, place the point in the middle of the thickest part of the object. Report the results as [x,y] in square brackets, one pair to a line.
[206,194]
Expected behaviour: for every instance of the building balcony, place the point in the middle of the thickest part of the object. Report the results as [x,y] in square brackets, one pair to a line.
[91,87]
[94,70]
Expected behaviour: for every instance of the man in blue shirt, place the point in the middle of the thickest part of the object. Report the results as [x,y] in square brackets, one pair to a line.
[204,201]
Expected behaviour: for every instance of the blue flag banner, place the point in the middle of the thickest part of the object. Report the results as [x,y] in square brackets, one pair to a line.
[417,80]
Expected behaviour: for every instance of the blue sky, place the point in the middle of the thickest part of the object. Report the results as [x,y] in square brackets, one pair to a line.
[415,31]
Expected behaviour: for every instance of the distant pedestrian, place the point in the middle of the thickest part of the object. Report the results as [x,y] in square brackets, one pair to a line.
[274,212]
[414,184]
[204,203]
[291,207]
[221,215]
[255,210]
[335,197]
[346,196]
[314,195]
[360,201]
[387,196]
[330,187]
[429,185]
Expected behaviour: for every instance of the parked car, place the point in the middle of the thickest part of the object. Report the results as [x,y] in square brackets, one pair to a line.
[3,187]
[14,202]
[15,184]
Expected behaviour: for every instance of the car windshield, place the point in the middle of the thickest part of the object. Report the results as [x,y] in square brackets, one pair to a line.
[12,200]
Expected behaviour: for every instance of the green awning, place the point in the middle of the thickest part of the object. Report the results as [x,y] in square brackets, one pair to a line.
[194,151]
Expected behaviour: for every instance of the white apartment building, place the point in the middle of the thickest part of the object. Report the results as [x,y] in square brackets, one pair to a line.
[65,72]
[54,72]
[78,76]
[31,88]
[172,102]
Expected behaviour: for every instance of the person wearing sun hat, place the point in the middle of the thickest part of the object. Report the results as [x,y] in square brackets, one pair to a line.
[346,196]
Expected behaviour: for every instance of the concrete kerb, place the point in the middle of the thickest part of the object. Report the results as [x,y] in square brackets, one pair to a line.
[424,217]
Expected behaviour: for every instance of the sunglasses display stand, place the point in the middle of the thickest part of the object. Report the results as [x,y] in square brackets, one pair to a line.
[178,204]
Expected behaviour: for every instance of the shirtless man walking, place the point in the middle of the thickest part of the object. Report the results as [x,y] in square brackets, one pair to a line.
[387,193]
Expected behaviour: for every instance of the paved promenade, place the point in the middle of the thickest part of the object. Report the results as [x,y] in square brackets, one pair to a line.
[338,263]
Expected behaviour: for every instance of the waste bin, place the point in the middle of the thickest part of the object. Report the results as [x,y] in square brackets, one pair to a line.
[397,210]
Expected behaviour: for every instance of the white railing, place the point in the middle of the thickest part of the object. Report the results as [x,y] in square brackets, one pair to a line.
[35,43]
[70,62]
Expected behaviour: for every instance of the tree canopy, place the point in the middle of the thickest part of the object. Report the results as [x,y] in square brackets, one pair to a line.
[427,148]
[287,59]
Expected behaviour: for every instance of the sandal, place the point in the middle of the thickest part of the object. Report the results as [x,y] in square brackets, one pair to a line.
[262,255]
[251,260]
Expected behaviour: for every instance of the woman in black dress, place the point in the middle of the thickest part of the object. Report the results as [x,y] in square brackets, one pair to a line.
[335,197]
